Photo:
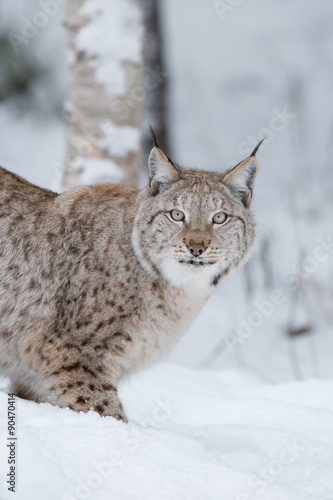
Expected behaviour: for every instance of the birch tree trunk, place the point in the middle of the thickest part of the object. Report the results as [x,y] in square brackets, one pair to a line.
[104,108]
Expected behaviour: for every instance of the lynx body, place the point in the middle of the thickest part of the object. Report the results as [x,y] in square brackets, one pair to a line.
[100,281]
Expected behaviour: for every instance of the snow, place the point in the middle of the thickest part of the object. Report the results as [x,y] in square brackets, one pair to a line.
[191,435]
[122,21]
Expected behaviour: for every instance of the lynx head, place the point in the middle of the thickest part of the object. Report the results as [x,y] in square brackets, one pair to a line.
[193,226]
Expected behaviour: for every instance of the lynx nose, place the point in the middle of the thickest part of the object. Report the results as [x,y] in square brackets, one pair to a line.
[196,248]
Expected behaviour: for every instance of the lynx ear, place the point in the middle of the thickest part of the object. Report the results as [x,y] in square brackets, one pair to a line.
[162,172]
[240,179]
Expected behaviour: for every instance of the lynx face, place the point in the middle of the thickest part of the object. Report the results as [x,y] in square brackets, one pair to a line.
[195,226]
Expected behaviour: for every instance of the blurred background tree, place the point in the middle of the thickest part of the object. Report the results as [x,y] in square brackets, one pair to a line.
[115,90]
[104,110]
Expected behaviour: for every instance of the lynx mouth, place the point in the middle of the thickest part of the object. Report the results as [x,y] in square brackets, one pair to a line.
[195,263]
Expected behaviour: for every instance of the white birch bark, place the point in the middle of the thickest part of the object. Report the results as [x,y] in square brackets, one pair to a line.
[104,107]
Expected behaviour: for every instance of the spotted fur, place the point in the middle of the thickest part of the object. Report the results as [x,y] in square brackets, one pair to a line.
[100,281]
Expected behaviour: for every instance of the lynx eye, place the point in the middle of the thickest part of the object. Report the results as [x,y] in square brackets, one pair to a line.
[219,218]
[177,215]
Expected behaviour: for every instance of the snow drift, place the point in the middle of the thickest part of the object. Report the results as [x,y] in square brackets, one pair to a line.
[192,435]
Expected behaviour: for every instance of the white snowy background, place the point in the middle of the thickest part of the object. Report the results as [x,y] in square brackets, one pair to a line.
[243,407]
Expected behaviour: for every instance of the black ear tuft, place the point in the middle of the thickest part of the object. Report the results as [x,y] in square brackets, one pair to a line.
[156,145]
[153,136]
[254,152]
[162,171]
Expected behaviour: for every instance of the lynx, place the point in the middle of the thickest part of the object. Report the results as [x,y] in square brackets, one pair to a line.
[100,281]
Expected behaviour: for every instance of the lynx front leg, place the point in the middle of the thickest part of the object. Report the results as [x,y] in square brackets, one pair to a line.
[23,391]
[82,395]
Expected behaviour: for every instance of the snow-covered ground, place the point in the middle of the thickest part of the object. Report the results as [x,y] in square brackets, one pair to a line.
[192,435]
[246,430]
